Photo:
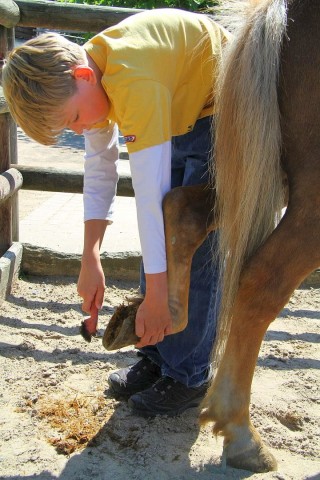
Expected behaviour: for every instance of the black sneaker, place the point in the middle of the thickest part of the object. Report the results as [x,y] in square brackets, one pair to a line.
[166,397]
[138,377]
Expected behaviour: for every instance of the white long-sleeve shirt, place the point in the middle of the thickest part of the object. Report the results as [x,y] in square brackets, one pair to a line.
[151,178]
[100,172]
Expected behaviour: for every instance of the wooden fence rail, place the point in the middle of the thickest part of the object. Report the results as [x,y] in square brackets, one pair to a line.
[49,179]
[68,16]
[10,182]
[60,16]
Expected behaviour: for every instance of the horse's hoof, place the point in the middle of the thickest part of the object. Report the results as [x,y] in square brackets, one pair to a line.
[249,454]
[120,331]
[257,461]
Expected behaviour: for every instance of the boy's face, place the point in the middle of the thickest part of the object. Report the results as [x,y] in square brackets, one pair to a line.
[89,105]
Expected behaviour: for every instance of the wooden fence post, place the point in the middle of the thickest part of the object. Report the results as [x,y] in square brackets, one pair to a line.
[13,145]
[6,208]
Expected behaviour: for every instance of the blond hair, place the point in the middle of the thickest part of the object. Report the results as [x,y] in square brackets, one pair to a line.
[37,80]
[248,174]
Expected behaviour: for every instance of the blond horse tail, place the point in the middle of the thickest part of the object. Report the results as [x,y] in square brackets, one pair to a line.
[247,171]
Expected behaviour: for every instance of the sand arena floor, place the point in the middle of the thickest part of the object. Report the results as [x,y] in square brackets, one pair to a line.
[57,420]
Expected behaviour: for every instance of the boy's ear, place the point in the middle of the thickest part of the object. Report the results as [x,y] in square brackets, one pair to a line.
[84,72]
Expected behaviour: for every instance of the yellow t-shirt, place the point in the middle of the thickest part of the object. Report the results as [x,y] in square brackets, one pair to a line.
[159,69]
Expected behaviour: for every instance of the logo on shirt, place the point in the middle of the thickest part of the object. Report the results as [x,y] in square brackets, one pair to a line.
[129,138]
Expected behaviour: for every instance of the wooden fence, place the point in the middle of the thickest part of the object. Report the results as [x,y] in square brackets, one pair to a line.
[54,16]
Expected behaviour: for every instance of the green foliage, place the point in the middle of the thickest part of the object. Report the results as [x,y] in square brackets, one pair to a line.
[193,5]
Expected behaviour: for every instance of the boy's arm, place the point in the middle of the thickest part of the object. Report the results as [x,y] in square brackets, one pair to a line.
[91,283]
[100,172]
[151,178]
[100,179]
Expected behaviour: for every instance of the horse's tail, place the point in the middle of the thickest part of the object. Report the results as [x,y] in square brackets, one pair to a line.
[247,171]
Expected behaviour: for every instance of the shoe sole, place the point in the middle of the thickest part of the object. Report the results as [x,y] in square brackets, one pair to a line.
[145,414]
[125,395]
[118,394]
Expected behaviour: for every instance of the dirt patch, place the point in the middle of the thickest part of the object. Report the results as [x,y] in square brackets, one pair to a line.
[58,420]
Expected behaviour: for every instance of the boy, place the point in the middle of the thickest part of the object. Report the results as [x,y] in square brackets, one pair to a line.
[153,76]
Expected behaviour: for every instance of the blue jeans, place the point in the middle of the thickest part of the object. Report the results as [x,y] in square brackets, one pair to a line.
[185,356]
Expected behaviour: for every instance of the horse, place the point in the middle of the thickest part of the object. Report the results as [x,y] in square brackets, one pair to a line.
[267,156]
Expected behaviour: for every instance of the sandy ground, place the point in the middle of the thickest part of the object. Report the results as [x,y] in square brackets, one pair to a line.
[58,420]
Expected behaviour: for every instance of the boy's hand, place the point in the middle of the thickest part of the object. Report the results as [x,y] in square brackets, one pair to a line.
[153,319]
[91,284]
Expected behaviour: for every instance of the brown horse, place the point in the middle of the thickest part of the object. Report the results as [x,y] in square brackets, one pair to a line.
[268,128]
[267,153]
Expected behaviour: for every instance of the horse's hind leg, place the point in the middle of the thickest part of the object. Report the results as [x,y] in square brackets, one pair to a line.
[188,217]
[288,255]
[266,284]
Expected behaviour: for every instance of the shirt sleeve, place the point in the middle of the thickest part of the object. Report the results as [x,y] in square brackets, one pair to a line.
[100,172]
[151,179]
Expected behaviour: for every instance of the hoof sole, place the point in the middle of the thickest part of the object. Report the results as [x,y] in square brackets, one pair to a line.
[120,331]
